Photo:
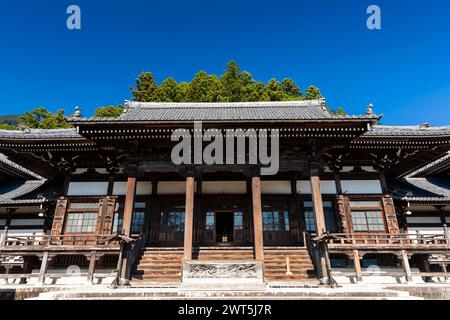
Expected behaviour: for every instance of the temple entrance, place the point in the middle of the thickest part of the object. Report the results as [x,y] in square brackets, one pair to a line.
[224,227]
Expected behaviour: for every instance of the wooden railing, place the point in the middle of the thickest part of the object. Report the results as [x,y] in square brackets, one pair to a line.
[48,241]
[384,239]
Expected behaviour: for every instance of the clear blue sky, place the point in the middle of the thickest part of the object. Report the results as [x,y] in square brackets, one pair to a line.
[404,69]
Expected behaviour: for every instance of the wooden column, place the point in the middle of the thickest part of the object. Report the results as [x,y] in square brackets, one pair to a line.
[43,270]
[357,264]
[406,267]
[129,206]
[4,237]
[257,218]
[316,196]
[91,269]
[189,218]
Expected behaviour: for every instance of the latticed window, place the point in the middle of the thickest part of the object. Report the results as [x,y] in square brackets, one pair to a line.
[171,226]
[329,213]
[238,226]
[276,223]
[81,222]
[275,220]
[138,221]
[367,221]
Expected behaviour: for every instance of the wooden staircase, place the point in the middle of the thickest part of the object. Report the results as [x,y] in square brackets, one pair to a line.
[160,265]
[163,265]
[300,263]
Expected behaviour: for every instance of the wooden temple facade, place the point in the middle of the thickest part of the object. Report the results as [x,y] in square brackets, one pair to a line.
[117,200]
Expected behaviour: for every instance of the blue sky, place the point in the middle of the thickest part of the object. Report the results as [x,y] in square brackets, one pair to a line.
[403,69]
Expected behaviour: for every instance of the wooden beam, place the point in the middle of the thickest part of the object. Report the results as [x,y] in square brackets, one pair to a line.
[189,217]
[91,269]
[43,270]
[257,219]
[357,264]
[406,267]
[129,206]
[317,202]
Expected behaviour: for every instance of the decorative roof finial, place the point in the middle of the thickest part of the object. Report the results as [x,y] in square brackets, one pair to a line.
[127,106]
[425,126]
[24,128]
[77,113]
[369,110]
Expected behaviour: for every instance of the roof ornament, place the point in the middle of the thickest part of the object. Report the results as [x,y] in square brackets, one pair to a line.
[323,103]
[369,110]
[127,106]
[424,126]
[24,128]
[77,113]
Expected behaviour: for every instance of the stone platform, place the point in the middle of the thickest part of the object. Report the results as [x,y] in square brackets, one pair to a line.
[278,292]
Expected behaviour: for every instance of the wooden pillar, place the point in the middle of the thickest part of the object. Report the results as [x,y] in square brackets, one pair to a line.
[43,270]
[406,267]
[4,237]
[357,265]
[189,217]
[129,206]
[257,219]
[91,269]
[317,202]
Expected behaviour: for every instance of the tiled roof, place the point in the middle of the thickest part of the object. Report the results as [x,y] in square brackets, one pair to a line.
[22,190]
[402,131]
[5,161]
[40,134]
[224,111]
[421,189]
[430,165]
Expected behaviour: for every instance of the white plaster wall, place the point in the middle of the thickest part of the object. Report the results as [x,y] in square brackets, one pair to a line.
[423,220]
[361,187]
[425,230]
[142,188]
[224,187]
[276,187]
[88,189]
[171,187]
[326,187]
[27,222]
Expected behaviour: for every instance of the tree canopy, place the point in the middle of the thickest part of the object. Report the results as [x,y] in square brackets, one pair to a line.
[233,86]
[40,118]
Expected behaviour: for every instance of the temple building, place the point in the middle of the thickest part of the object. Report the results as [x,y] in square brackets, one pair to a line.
[105,195]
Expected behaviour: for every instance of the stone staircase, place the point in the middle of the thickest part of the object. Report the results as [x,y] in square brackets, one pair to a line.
[163,265]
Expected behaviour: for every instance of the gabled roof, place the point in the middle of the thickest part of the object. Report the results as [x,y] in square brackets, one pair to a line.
[224,111]
[421,190]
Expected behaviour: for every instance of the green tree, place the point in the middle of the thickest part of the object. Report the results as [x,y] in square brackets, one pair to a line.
[275,90]
[205,88]
[5,126]
[233,85]
[312,93]
[290,88]
[145,87]
[108,112]
[40,118]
